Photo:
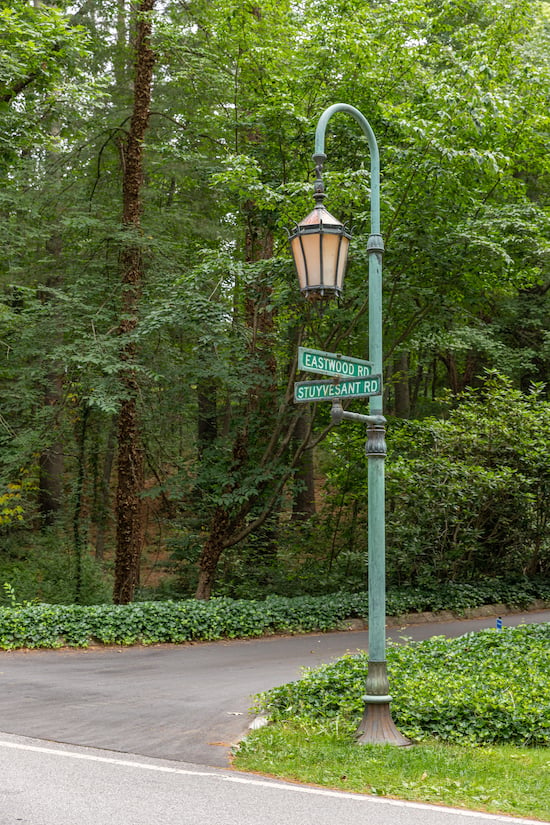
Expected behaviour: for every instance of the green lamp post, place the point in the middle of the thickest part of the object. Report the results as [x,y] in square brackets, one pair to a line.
[319,246]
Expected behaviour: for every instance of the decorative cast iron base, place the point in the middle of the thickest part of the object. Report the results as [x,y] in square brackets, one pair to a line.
[378,728]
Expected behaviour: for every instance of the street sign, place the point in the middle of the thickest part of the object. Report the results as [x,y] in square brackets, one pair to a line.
[328,390]
[331,363]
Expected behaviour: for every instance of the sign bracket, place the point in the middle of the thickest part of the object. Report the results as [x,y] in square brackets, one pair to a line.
[339,414]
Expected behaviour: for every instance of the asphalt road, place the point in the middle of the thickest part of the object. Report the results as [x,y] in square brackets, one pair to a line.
[45,784]
[140,725]
[182,702]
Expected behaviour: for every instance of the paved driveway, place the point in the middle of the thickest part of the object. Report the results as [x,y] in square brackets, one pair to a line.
[182,702]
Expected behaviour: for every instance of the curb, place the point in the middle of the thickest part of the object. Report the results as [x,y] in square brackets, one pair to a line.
[485,610]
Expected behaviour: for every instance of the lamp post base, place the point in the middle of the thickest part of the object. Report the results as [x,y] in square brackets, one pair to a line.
[378,728]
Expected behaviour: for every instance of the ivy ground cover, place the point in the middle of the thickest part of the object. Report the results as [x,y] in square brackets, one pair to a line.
[483,688]
[56,625]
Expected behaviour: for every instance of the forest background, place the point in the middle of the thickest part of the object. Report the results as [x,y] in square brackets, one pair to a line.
[153,154]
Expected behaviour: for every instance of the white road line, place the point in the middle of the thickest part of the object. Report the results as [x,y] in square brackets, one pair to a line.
[244,780]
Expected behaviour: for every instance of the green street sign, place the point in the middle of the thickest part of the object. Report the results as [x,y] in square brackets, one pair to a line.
[331,363]
[328,390]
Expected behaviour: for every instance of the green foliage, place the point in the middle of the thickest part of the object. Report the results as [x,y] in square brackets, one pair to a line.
[458,97]
[459,596]
[154,622]
[9,595]
[467,690]
[41,52]
[47,625]
[11,510]
[468,495]
[44,570]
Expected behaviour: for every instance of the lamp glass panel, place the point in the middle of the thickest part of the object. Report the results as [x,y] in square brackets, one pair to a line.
[330,243]
[342,261]
[311,247]
[299,260]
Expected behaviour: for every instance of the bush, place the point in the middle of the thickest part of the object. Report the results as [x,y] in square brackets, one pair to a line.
[48,625]
[43,569]
[467,690]
[467,496]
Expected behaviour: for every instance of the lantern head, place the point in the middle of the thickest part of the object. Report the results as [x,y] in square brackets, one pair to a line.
[319,247]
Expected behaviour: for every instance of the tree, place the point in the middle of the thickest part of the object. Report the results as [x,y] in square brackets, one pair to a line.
[40,46]
[130,450]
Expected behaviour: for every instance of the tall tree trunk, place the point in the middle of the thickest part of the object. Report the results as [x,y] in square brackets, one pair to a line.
[128,508]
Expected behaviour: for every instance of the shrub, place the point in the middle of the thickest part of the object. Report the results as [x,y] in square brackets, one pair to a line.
[48,625]
[43,569]
[467,496]
[483,688]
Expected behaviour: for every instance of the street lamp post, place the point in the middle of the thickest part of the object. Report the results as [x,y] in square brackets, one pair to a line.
[320,268]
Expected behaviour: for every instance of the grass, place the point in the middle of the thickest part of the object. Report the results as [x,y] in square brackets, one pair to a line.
[478,708]
[497,779]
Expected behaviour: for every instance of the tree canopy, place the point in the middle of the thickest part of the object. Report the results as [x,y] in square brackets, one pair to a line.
[152,157]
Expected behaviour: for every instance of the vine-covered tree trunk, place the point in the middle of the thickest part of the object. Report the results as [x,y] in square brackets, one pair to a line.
[128,508]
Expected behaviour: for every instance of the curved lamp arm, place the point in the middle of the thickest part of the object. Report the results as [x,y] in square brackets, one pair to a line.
[373,148]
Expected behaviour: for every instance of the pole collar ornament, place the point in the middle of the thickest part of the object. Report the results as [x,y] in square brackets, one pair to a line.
[376,438]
